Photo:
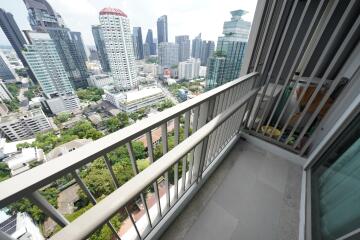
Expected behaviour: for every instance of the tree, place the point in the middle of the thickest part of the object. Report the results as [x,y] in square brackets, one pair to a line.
[4,171]
[92,94]
[83,129]
[113,124]
[164,104]
[23,145]
[62,117]
[13,89]
[13,105]
[46,141]
[29,94]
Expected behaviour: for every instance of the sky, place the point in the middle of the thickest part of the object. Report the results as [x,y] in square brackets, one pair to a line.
[185,17]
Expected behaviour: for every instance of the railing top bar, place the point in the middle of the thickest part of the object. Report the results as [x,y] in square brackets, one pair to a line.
[81,227]
[30,181]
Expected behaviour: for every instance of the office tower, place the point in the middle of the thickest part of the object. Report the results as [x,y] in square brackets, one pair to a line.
[150,41]
[15,37]
[225,64]
[115,27]
[6,71]
[207,50]
[79,44]
[162,29]
[4,92]
[18,126]
[189,69]
[93,55]
[45,62]
[43,18]
[137,38]
[168,54]
[100,47]
[146,50]
[196,47]
[184,47]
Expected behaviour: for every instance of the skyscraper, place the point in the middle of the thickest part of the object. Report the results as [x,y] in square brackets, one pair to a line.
[168,54]
[226,63]
[146,50]
[118,43]
[150,41]
[184,47]
[6,72]
[100,47]
[15,38]
[196,47]
[207,50]
[43,18]
[79,44]
[162,29]
[45,62]
[137,35]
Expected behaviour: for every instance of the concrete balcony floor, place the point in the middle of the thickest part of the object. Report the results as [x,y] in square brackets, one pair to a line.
[252,195]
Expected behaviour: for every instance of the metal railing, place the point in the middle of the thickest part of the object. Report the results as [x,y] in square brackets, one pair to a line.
[209,123]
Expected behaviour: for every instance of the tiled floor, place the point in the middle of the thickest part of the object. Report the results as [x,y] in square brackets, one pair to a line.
[252,195]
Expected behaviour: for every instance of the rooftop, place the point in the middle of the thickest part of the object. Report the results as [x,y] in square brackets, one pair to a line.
[112,11]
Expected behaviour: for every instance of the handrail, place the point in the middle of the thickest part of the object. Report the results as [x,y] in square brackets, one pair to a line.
[26,183]
[81,227]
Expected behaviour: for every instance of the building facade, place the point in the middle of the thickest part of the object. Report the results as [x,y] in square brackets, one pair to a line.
[196,47]
[150,42]
[168,54]
[115,27]
[225,65]
[100,80]
[100,47]
[5,95]
[7,73]
[24,125]
[43,18]
[184,47]
[162,29]
[207,50]
[44,61]
[15,37]
[189,69]
[138,43]
[79,44]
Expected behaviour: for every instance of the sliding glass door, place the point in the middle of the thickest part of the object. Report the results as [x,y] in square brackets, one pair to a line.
[335,187]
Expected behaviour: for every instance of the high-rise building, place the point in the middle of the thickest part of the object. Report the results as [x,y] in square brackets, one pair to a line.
[184,47]
[93,55]
[189,69]
[45,62]
[138,43]
[15,37]
[168,54]
[162,29]
[207,50]
[146,48]
[230,51]
[6,71]
[4,92]
[150,41]
[100,47]
[115,27]
[79,44]
[43,18]
[196,47]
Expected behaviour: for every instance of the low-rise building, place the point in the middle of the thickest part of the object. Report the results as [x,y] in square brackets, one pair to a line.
[134,100]
[66,147]
[24,125]
[100,80]
[20,161]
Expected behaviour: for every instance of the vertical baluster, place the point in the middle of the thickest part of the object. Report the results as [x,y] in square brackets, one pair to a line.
[191,154]
[151,158]
[136,171]
[48,209]
[184,159]
[94,202]
[176,166]
[164,140]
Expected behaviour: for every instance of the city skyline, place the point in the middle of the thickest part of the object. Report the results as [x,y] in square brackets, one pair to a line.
[87,11]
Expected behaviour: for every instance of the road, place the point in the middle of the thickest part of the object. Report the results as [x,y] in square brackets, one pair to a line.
[167,93]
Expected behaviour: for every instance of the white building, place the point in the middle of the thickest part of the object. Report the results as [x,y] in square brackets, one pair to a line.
[24,125]
[7,73]
[45,63]
[4,92]
[115,28]
[19,226]
[100,80]
[20,162]
[189,69]
[135,100]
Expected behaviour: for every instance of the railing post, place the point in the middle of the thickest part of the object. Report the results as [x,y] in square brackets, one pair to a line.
[48,209]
